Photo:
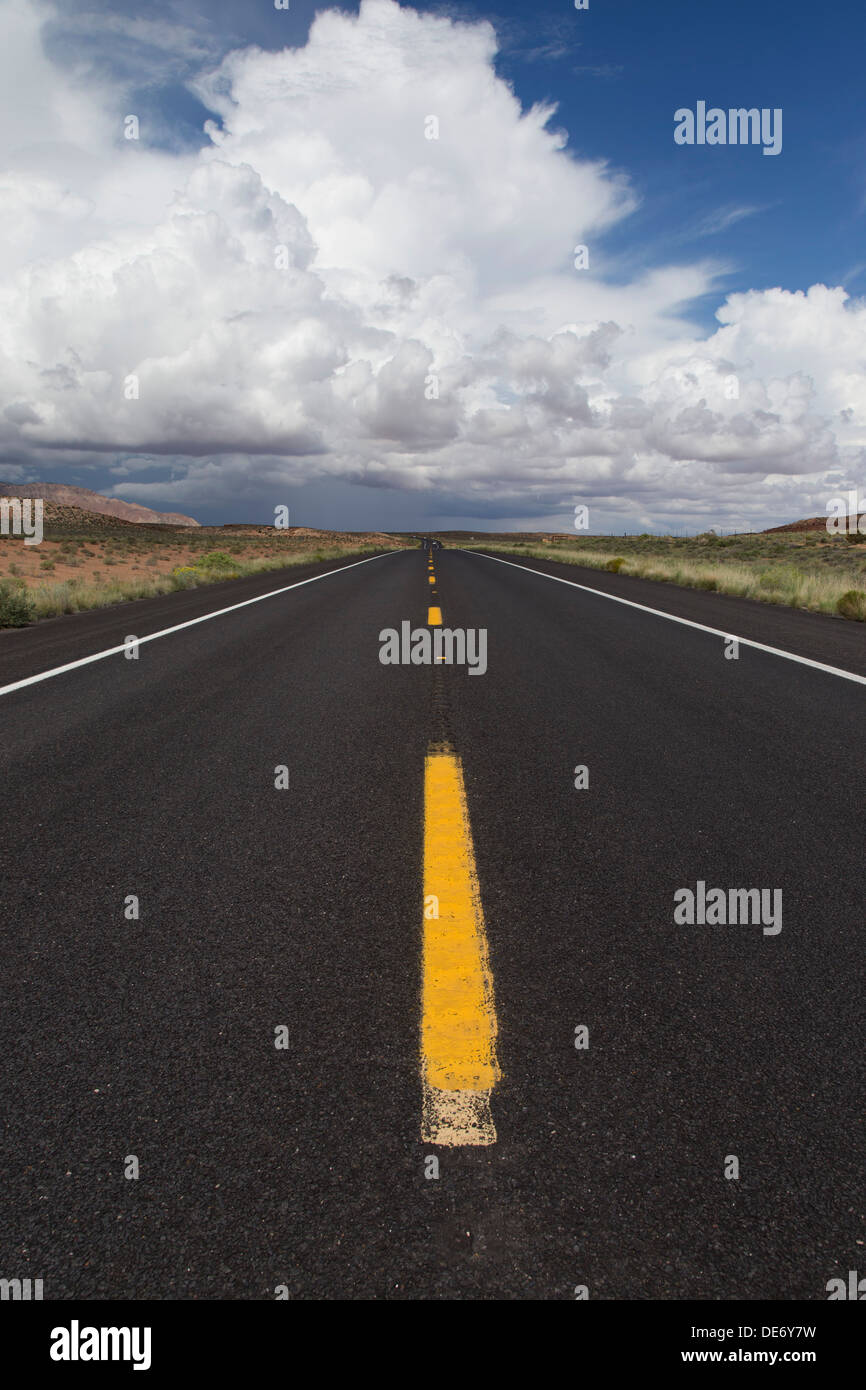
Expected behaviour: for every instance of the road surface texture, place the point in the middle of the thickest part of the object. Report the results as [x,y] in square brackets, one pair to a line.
[301,908]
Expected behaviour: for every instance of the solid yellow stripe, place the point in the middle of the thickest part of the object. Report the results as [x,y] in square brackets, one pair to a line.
[458,1016]
[434,617]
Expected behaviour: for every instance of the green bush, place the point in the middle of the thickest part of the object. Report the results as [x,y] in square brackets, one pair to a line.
[16,606]
[852,604]
[614,566]
[216,560]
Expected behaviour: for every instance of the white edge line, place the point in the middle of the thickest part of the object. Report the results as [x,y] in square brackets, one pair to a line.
[191,622]
[686,622]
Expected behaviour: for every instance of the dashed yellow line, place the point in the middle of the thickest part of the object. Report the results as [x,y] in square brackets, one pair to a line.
[434,617]
[458,1017]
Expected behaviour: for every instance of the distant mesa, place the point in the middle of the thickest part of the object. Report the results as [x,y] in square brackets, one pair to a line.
[62,495]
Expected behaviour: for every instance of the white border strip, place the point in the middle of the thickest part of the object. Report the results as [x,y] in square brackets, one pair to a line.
[685,622]
[191,622]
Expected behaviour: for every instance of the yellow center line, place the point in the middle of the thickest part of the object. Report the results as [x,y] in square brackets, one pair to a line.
[431,579]
[434,617]
[458,1015]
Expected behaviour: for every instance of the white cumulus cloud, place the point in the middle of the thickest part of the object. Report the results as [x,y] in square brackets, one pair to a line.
[326,291]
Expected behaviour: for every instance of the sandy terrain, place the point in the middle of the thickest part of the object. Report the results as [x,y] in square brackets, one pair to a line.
[99,549]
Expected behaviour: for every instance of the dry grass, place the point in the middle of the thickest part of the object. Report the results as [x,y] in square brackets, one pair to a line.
[823,577]
[27,597]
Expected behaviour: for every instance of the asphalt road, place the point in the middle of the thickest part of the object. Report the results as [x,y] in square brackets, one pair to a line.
[303,1167]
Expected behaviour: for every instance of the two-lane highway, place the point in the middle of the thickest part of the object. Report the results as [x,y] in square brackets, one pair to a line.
[259,788]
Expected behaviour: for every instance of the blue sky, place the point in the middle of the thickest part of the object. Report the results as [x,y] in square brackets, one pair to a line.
[731,220]
[801,213]
[617,72]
